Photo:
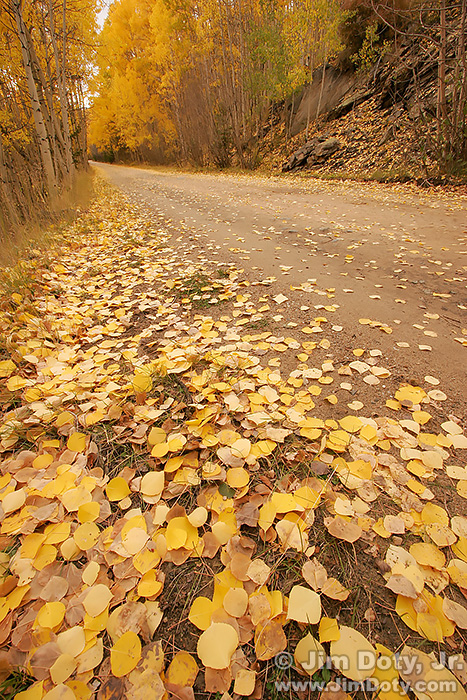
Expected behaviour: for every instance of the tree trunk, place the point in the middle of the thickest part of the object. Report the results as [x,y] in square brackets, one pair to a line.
[39,123]
[6,188]
[441,109]
[322,86]
[60,70]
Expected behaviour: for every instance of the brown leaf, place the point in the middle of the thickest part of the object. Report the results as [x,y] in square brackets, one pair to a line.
[217,680]
[314,574]
[335,590]
[269,640]
[112,689]
[178,693]
[5,628]
[344,530]
[43,658]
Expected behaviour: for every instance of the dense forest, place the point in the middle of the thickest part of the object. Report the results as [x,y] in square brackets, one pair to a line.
[182,80]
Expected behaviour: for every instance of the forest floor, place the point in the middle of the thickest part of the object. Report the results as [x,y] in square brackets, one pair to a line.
[233,444]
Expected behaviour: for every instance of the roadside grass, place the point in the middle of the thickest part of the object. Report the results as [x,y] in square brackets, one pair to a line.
[41,236]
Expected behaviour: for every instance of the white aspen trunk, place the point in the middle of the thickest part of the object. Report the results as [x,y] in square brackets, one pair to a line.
[61,82]
[39,123]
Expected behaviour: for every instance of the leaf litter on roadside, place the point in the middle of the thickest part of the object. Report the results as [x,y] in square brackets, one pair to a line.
[139,435]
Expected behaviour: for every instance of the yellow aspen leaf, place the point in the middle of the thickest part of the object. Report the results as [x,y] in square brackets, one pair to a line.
[7,367]
[351,424]
[198,517]
[152,483]
[34,692]
[64,418]
[216,645]
[432,513]
[347,652]
[69,549]
[97,599]
[72,641]
[236,602]
[429,627]
[245,681]
[16,383]
[406,611]
[125,654]
[156,436]
[332,588]
[45,556]
[201,612]
[51,615]
[91,656]
[149,585]
[441,535]
[75,497]
[427,554]
[328,630]
[460,548]
[134,539]
[304,605]
[180,533]
[13,501]
[86,535]
[117,489]
[60,692]
[237,477]
[76,442]
[182,670]
[88,512]
[142,383]
[309,655]
[95,624]
[175,443]
[386,675]
[267,515]
[62,669]
[160,449]
[57,532]
[81,690]
[42,461]
[145,560]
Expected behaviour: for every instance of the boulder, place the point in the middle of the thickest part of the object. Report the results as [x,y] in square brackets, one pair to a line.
[315,151]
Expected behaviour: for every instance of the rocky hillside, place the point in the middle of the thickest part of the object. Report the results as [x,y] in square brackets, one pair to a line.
[380,123]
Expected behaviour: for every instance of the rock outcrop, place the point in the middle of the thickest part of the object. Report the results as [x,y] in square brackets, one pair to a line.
[313,152]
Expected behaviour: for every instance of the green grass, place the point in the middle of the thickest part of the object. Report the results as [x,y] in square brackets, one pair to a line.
[18,680]
[194,288]
[261,324]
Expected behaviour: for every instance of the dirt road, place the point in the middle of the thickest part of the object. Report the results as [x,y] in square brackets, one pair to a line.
[394,256]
